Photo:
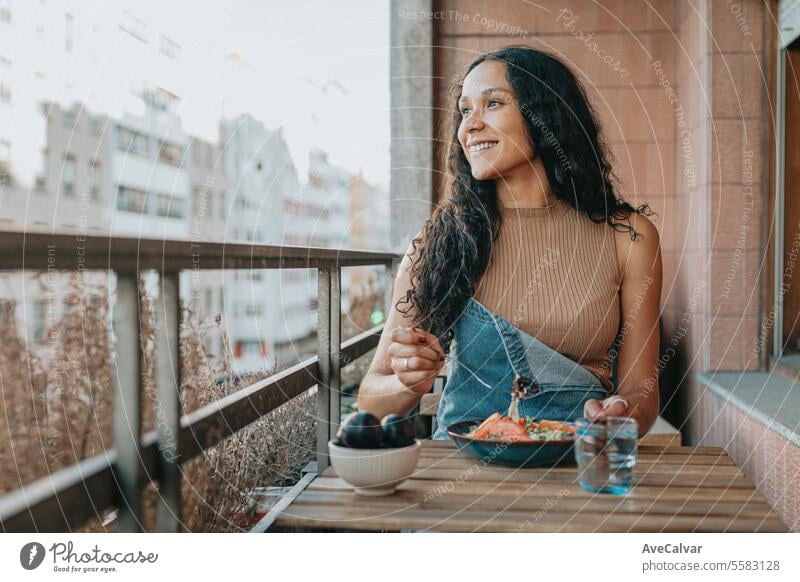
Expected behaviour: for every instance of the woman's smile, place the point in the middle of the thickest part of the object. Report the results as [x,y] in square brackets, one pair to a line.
[487,107]
[480,146]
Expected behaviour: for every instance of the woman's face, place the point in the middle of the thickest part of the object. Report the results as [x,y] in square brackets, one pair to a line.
[492,132]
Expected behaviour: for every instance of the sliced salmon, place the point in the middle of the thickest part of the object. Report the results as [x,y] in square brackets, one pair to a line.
[508,430]
[482,431]
[556,425]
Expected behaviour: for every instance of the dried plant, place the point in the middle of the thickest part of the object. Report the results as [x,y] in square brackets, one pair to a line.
[79,378]
[56,416]
[23,407]
[56,406]
[218,484]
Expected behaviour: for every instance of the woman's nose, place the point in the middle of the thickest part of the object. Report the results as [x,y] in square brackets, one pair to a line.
[473,121]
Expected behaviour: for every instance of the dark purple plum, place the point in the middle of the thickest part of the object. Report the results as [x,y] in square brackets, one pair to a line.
[360,430]
[398,431]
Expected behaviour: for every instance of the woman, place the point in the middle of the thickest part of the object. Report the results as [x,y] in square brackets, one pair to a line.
[532,266]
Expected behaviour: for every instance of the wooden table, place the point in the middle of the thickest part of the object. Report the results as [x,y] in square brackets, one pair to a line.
[676,489]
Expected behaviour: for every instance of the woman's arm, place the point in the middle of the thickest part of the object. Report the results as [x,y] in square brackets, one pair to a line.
[382,390]
[640,305]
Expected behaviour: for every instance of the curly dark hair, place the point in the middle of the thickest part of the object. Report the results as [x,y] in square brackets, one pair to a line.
[453,249]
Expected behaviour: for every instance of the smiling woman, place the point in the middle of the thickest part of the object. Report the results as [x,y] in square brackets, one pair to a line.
[494,137]
[529,183]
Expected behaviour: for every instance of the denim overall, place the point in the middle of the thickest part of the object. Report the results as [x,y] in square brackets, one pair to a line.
[488,346]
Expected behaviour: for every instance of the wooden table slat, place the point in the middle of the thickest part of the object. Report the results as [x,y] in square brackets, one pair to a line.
[681,479]
[366,518]
[676,489]
[497,502]
[554,490]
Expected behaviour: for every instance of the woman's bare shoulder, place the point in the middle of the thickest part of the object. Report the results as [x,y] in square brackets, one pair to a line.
[639,254]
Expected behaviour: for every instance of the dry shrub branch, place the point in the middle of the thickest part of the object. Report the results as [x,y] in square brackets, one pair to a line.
[56,403]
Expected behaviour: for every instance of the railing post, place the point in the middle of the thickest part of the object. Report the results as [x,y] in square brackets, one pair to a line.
[168,409]
[335,353]
[127,413]
[391,275]
[329,351]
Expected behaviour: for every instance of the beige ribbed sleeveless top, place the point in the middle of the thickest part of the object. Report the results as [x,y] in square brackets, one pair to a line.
[554,274]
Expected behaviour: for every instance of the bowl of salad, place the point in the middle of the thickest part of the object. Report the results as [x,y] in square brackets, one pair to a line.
[520,442]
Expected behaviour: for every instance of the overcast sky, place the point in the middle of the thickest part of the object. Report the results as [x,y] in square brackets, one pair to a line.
[320,69]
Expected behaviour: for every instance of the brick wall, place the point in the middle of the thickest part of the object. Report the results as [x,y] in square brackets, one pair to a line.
[723,78]
[684,111]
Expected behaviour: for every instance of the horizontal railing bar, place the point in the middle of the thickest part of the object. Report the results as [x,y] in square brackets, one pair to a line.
[70,252]
[209,425]
[360,344]
[65,499]
[266,522]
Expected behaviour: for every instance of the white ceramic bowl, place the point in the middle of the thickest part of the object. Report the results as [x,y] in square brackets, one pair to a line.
[374,472]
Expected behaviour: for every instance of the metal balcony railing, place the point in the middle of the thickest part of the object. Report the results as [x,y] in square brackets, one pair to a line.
[65,499]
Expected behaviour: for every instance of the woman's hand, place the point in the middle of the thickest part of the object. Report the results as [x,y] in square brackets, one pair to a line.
[611,406]
[417,357]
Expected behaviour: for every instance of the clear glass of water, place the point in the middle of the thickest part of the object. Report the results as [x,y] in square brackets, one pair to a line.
[605,450]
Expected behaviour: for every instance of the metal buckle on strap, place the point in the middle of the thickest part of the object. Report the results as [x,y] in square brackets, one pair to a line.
[524,387]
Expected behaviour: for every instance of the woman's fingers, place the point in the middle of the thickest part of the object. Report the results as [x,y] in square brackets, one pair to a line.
[415,357]
[398,350]
[413,363]
[595,410]
[616,408]
[418,381]
[416,337]
[407,335]
[592,408]
[432,340]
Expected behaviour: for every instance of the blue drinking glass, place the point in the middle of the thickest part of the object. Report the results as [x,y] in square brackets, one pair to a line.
[605,451]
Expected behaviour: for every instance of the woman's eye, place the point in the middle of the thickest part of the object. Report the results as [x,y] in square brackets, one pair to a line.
[466,110]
